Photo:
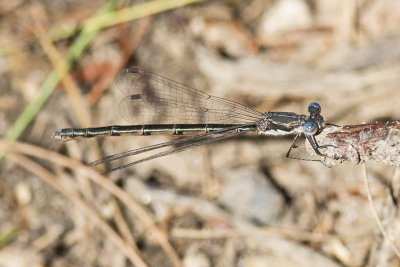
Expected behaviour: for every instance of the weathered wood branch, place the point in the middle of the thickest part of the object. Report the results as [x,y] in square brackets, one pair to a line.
[378,142]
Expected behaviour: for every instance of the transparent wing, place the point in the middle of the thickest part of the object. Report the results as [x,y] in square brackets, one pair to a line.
[183,147]
[189,139]
[152,99]
[302,150]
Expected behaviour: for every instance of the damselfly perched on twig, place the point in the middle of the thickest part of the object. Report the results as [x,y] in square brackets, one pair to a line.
[157,105]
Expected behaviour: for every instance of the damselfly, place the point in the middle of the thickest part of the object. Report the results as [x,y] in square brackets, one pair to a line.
[157,105]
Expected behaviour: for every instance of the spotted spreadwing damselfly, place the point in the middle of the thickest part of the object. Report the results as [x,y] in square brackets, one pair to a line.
[157,105]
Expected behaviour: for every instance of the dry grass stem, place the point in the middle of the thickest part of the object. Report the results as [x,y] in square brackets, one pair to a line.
[102,181]
[375,213]
[51,179]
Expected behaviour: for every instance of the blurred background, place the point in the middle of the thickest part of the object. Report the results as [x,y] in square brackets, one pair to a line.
[239,202]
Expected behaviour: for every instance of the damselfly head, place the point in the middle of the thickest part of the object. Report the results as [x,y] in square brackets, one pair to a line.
[314,107]
[315,122]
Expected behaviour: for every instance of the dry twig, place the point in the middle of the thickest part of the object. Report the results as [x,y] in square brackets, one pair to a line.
[378,141]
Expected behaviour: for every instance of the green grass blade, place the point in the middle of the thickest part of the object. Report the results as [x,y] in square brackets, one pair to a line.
[53,79]
[8,235]
[134,12]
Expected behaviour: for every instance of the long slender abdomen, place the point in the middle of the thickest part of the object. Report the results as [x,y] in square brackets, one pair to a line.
[163,129]
[77,133]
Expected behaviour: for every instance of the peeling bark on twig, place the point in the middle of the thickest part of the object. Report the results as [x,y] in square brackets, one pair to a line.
[378,141]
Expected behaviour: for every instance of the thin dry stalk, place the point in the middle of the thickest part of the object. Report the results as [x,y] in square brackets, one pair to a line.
[77,101]
[375,214]
[102,181]
[130,252]
[121,223]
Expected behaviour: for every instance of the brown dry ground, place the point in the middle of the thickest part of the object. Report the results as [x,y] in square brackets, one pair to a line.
[234,203]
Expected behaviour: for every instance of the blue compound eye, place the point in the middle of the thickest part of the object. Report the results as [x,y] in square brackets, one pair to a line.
[314,107]
[310,128]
